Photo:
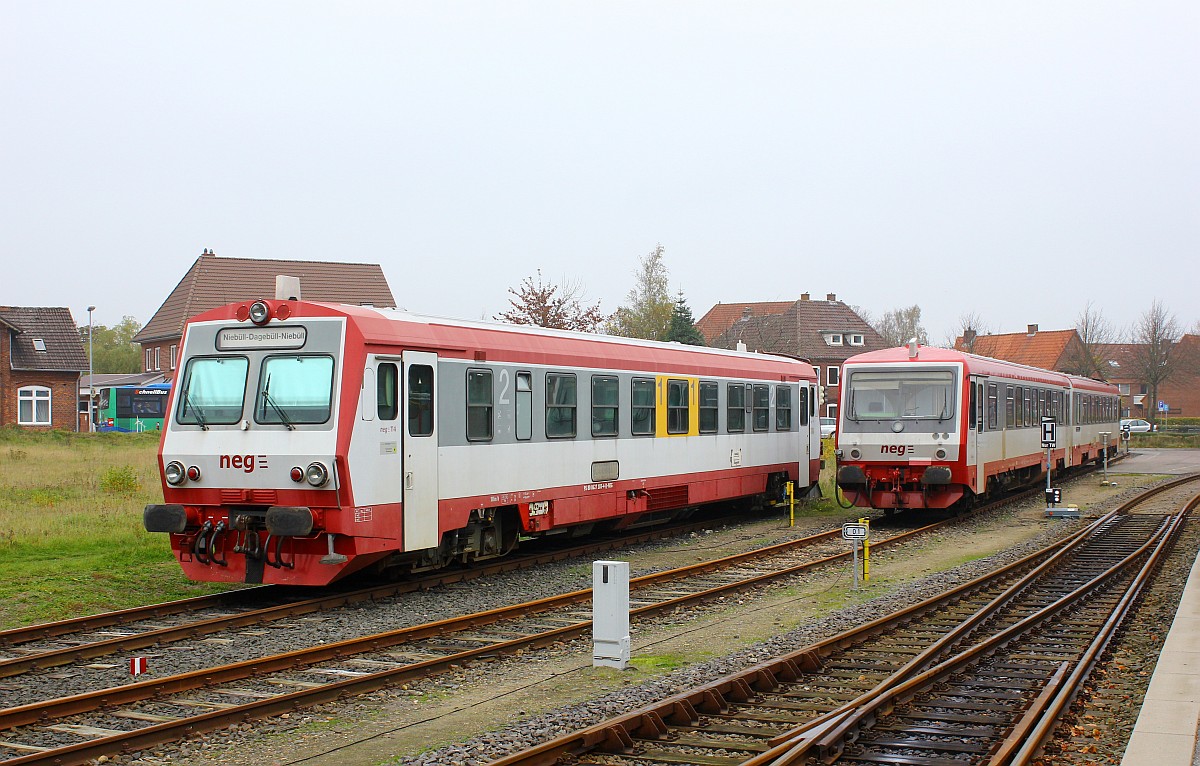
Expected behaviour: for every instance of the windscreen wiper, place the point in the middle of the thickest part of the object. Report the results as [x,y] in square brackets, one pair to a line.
[200,419]
[278,410]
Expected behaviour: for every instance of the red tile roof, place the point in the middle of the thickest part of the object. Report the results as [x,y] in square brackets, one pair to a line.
[55,328]
[213,282]
[800,330]
[1047,349]
[720,317]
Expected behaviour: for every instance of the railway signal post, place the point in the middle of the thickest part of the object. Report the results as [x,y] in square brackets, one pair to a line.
[1049,440]
[856,533]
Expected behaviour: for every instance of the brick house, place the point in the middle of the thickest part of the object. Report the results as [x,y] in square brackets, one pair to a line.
[1180,392]
[825,333]
[41,361]
[1060,350]
[213,282]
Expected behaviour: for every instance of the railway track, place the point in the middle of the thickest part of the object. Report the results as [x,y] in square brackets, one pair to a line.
[978,675]
[80,727]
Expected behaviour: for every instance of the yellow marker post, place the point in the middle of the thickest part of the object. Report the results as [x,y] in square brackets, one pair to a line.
[791,496]
[866,550]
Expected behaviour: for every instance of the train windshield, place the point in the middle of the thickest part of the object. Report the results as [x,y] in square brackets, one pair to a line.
[901,394]
[213,391]
[295,389]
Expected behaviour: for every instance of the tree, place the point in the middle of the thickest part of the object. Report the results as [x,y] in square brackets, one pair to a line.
[899,326]
[648,307]
[113,349]
[1091,357]
[970,326]
[1152,352]
[555,306]
[683,326]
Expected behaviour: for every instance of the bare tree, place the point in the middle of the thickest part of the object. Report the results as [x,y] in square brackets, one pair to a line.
[547,305]
[970,326]
[1090,358]
[1154,339]
[901,325]
[648,307]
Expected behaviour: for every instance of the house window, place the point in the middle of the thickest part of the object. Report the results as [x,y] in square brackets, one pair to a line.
[833,338]
[156,359]
[33,406]
[857,340]
[834,375]
[174,355]
[39,344]
[831,410]
[149,360]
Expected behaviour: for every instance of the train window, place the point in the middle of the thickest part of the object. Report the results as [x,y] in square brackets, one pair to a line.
[387,389]
[479,405]
[783,408]
[678,421]
[1019,407]
[972,417]
[295,389]
[561,400]
[214,391]
[762,407]
[1030,405]
[709,411]
[804,404]
[979,407]
[735,421]
[642,390]
[420,400]
[1010,408]
[604,405]
[524,406]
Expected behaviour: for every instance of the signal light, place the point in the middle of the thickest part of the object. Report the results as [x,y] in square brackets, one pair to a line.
[193,473]
[297,474]
[260,313]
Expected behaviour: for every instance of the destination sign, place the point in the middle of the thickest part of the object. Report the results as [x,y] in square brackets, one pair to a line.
[251,338]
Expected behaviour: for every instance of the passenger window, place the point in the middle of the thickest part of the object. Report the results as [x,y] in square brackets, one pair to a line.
[709,411]
[524,406]
[561,401]
[677,407]
[783,408]
[762,407]
[972,418]
[1010,407]
[604,405]
[387,389]
[993,406]
[420,400]
[804,404]
[643,406]
[479,405]
[736,414]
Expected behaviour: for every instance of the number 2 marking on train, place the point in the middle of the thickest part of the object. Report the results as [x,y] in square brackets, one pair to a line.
[504,382]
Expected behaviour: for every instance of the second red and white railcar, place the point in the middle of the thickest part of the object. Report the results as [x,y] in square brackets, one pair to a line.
[922,427]
[306,441]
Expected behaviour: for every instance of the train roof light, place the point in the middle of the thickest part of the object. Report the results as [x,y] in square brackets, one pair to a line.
[260,313]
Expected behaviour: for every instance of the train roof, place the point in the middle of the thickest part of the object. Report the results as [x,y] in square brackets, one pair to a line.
[981,365]
[495,341]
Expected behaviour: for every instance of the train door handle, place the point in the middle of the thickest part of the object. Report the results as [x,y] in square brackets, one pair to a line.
[408,480]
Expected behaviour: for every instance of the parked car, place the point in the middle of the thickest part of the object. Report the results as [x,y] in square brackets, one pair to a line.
[1133,425]
[828,427]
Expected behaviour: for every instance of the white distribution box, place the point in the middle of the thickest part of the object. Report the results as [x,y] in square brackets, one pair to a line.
[610,614]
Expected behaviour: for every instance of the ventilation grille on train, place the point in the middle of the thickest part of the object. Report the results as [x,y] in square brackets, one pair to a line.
[667,497]
[256,496]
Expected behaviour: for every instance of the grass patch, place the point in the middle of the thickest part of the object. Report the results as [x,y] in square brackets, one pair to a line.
[1164,440]
[71,535]
[658,663]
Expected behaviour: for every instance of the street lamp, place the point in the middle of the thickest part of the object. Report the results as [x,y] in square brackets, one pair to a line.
[91,377]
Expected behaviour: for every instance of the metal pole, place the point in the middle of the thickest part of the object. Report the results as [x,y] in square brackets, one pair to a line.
[1105,435]
[1048,458]
[91,376]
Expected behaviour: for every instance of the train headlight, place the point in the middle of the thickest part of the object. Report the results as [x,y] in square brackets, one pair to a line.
[316,474]
[173,473]
[855,454]
[941,454]
[260,313]
[898,426]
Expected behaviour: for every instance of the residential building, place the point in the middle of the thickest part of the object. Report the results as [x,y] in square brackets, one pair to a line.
[213,282]
[825,333]
[1060,350]
[1179,393]
[41,361]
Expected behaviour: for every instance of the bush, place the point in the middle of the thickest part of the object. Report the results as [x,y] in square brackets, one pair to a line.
[120,479]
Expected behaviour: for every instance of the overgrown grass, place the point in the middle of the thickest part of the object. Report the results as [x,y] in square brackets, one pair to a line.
[1164,440]
[71,536]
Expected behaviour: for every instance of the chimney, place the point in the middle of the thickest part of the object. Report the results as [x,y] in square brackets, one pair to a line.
[969,338]
[803,296]
[1032,330]
[746,312]
[830,297]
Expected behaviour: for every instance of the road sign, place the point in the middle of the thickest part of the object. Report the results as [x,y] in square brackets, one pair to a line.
[854,531]
[1049,432]
[1162,407]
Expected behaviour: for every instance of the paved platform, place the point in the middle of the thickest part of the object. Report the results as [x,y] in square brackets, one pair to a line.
[1164,461]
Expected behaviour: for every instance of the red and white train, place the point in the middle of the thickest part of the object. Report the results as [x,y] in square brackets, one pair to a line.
[305,441]
[922,427]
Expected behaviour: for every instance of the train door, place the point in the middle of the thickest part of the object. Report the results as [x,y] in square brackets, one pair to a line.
[974,425]
[420,471]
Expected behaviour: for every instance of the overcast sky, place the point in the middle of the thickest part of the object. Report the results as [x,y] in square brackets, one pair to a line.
[1013,159]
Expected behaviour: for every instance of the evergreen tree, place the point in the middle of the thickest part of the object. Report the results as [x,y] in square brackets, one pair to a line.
[683,325]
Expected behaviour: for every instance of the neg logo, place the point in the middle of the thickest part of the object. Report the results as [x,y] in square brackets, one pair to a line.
[897,449]
[245,463]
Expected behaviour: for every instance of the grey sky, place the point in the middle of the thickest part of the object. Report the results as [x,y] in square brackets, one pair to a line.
[1013,159]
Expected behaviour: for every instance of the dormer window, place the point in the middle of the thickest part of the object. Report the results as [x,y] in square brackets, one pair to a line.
[39,344]
[833,338]
[857,340]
